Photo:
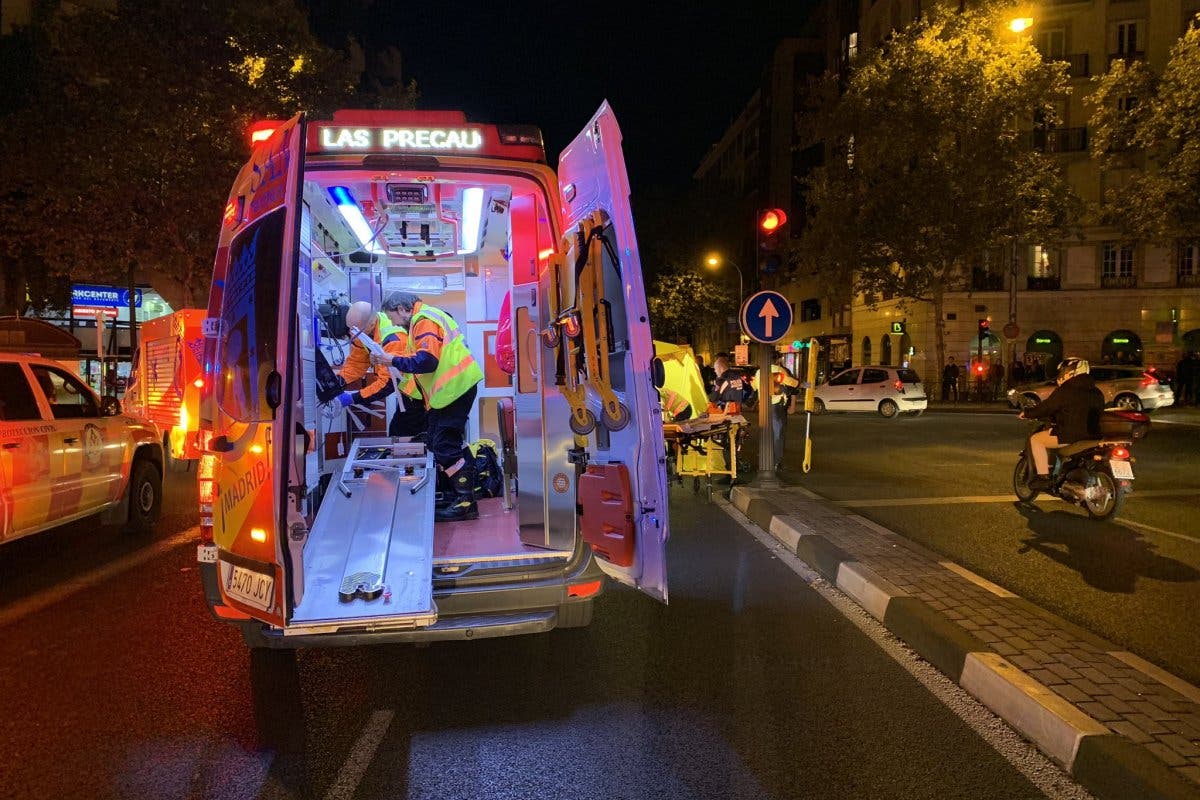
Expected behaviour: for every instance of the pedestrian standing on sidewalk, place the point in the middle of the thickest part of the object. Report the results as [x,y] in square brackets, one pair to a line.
[1183,380]
[950,379]
[996,374]
[1194,373]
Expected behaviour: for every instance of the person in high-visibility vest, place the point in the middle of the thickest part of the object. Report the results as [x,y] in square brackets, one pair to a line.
[677,408]
[409,417]
[448,376]
[783,386]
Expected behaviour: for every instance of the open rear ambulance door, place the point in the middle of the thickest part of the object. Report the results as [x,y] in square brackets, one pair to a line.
[622,494]
[250,333]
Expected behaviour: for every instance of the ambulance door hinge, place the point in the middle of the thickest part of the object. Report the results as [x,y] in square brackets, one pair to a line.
[578,456]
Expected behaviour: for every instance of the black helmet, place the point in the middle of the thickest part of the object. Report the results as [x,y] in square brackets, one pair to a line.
[1070,367]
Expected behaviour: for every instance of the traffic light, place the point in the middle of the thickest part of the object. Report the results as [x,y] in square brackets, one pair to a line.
[769,230]
[985,329]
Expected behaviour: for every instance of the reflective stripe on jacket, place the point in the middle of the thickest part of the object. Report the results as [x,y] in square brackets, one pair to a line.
[394,339]
[457,371]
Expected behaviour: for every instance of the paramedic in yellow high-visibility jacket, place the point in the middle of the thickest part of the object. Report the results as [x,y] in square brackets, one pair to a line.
[409,417]
[448,376]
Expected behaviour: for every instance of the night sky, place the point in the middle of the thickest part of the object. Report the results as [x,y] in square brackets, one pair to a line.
[676,73]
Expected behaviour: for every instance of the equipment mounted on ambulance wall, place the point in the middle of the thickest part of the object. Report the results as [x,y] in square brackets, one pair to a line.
[317,528]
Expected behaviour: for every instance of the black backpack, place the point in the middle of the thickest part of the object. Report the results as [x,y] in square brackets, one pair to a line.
[489,479]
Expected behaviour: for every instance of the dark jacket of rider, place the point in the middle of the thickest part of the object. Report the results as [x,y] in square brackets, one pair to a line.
[1075,407]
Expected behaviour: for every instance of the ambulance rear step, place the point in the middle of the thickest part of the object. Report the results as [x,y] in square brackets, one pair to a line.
[368,559]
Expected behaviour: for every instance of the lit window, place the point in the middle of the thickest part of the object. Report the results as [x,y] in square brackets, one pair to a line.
[1044,263]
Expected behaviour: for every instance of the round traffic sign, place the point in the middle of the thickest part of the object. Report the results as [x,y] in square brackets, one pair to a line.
[766,317]
[1011,330]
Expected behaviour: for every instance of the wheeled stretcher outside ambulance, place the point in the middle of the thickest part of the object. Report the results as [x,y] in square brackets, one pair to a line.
[316,527]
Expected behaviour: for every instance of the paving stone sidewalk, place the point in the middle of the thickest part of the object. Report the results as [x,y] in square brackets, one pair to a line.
[1116,688]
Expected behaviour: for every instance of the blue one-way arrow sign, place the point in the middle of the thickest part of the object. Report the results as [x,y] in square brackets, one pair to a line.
[766,317]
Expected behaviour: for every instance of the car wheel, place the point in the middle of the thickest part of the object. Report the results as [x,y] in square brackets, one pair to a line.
[1129,402]
[888,409]
[145,496]
[818,405]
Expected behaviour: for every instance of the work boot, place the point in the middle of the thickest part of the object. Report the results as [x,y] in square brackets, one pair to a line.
[462,506]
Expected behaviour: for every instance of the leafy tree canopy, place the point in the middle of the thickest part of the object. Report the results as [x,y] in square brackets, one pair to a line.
[680,300]
[1150,124]
[134,127]
[928,165]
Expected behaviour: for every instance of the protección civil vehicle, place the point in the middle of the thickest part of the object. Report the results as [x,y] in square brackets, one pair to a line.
[63,458]
[316,527]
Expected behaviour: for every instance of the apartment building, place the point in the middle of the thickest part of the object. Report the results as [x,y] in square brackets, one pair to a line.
[1095,297]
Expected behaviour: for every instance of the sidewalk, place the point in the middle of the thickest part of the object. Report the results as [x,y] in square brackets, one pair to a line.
[1119,725]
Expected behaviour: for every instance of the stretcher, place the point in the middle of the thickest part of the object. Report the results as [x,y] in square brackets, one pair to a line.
[369,554]
[704,447]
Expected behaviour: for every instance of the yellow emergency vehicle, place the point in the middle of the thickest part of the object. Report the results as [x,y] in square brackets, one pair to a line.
[62,459]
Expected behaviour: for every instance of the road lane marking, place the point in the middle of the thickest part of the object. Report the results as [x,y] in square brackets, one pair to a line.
[1039,770]
[55,594]
[1161,675]
[887,502]
[978,580]
[361,756]
[1143,526]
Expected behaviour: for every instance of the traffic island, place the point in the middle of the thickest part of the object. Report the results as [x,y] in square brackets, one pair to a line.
[1120,726]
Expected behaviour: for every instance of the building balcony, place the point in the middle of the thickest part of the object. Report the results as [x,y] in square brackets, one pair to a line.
[1132,55]
[1077,65]
[1046,283]
[1059,140]
[1189,280]
[984,281]
[1118,281]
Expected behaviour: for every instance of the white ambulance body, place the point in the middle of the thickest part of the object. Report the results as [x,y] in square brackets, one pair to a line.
[318,528]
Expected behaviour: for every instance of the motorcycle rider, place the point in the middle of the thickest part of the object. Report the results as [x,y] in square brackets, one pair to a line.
[1074,406]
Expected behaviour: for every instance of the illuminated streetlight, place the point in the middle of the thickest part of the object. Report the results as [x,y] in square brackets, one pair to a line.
[714,261]
[1020,24]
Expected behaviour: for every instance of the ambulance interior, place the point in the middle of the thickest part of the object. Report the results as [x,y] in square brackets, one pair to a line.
[459,242]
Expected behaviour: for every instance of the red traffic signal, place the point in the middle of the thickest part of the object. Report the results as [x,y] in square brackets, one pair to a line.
[772,220]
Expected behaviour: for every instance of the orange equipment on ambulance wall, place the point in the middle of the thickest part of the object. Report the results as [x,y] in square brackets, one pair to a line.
[166,380]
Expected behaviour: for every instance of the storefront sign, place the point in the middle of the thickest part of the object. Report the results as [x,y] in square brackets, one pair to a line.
[90,296]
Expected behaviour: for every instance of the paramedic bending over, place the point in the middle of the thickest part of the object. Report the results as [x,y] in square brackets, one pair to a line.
[448,376]
[409,419]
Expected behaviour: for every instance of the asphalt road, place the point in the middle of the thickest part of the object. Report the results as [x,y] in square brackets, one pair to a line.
[116,683]
[944,480]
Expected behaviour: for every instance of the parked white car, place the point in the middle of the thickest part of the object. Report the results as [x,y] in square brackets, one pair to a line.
[1132,388]
[887,391]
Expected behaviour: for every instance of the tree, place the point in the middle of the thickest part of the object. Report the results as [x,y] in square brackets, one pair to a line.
[680,300]
[1151,124]
[927,166]
[122,157]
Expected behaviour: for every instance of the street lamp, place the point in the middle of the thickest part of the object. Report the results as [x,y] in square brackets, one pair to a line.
[714,261]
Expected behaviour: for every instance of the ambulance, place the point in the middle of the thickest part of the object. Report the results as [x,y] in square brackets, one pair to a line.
[165,381]
[316,527]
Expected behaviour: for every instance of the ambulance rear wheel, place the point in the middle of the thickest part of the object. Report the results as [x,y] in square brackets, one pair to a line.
[145,496]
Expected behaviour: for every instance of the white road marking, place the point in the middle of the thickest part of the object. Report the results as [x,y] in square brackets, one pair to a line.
[1025,757]
[1161,675]
[361,756]
[978,580]
[887,502]
[54,594]
[1152,529]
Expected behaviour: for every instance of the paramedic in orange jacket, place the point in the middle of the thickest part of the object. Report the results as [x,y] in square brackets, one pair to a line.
[449,377]
[409,417]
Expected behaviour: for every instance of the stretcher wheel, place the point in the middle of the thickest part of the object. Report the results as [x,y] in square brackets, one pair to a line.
[620,421]
[550,338]
[585,427]
[696,485]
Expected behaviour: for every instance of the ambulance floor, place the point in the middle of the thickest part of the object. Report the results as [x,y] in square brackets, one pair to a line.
[492,537]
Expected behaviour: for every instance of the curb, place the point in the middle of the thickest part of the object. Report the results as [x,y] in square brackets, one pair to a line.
[1108,765]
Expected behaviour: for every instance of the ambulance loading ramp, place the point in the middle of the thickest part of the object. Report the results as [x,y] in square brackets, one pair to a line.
[368,560]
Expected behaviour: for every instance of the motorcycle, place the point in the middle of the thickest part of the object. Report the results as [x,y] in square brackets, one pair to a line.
[1096,474]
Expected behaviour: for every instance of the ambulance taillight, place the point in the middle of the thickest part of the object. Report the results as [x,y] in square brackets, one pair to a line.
[204,476]
[261,130]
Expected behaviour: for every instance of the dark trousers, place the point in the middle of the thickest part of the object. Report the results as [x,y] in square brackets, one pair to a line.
[447,429]
[412,421]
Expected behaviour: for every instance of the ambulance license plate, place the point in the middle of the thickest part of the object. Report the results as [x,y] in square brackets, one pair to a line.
[1121,470]
[252,588]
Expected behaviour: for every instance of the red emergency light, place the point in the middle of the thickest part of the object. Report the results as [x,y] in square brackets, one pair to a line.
[261,130]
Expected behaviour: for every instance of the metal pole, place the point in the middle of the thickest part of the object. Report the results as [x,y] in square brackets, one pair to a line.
[766,478]
[810,382]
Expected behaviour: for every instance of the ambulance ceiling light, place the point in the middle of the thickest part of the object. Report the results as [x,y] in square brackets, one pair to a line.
[353,215]
[472,215]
